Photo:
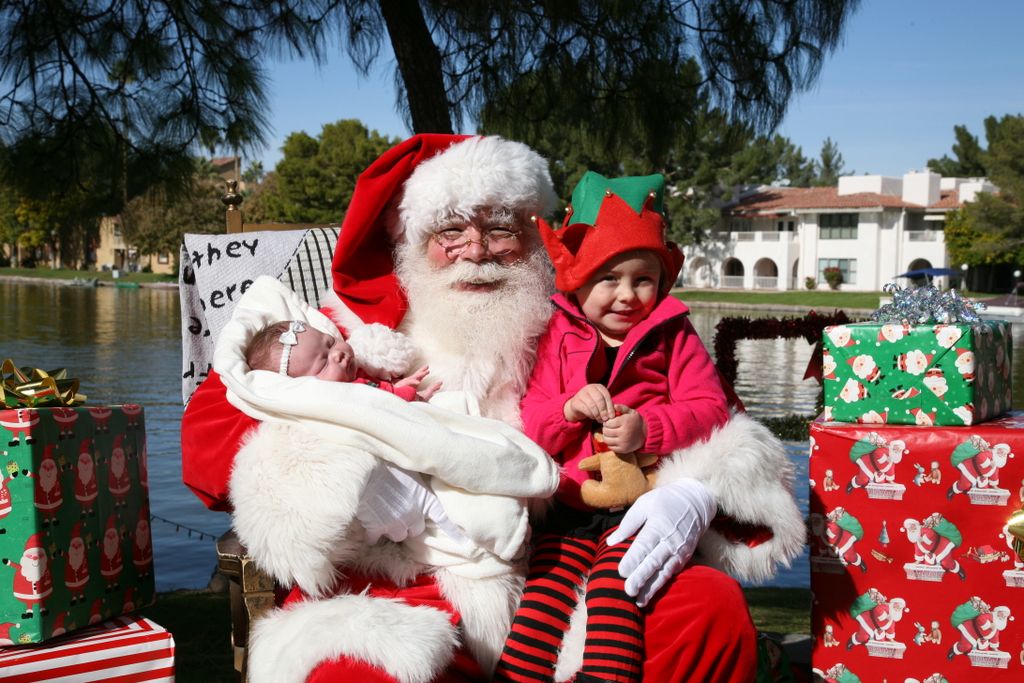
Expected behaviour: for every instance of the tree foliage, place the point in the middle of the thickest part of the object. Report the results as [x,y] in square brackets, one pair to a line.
[155,221]
[968,154]
[829,166]
[990,230]
[314,180]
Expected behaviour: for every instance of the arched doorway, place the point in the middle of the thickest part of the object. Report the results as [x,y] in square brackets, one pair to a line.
[732,273]
[919,264]
[698,273]
[766,274]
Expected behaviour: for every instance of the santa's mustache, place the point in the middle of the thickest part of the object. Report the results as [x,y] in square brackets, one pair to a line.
[467,272]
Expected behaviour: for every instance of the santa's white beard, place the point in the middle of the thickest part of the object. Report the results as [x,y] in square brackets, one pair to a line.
[33,570]
[76,555]
[492,332]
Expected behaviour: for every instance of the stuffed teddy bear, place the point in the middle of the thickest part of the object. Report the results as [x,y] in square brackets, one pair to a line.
[622,477]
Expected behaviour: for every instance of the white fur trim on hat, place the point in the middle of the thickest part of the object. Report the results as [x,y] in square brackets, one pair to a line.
[480,171]
[379,350]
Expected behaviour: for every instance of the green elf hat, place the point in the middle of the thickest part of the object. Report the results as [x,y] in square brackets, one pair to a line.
[608,217]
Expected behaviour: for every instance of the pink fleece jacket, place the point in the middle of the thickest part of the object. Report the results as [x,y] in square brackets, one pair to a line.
[662,370]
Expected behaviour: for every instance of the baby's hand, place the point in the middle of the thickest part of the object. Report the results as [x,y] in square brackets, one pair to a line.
[591,402]
[428,393]
[625,433]
[415,378]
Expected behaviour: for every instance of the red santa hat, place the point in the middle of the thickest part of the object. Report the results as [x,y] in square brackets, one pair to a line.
[84,447]
[111,524]
[404,193]
[34,542]
[118,441]
[76,530]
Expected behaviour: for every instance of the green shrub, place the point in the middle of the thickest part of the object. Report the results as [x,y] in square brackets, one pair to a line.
[810,282]
[834,277]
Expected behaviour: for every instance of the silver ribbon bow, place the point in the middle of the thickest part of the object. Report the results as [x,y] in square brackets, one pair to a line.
[924,305]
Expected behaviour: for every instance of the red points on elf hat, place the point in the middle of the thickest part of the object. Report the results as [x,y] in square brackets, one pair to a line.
[608,217]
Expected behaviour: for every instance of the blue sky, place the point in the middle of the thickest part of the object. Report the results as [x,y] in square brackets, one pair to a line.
[905,73]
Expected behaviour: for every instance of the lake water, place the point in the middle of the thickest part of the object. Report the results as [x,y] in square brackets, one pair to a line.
[125,347]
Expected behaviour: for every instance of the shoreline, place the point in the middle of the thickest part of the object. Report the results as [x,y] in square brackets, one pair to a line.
[65,282]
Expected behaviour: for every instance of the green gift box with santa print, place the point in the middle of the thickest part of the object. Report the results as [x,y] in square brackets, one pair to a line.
[938,374]
[75,544]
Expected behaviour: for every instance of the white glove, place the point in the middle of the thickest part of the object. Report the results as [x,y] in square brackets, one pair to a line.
[396,504]
[670,519]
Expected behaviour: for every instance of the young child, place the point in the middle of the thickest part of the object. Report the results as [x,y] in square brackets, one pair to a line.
[619,358]
[291,348]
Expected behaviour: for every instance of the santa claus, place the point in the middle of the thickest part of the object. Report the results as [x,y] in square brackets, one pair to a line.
[6,500]
[979,626]
[111,560]
[876,617]
[76,569]
[978,464]
[33,582]
[86,487]
[475,316]
[49,495]
[935,540]
[119,482]
[142,545]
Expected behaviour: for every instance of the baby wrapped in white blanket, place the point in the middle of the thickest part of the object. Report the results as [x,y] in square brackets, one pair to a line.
[482,470]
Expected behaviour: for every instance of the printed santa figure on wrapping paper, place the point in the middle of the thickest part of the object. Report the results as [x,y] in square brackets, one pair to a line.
[49,495]
[118,480]
[111,560]
[876,618]
[76,568]
[132,411]
[100,418]
[59,627]
[19,421]
[143,466]
[979,465]
[876,460]
[979,626]
[65,418]
[33,583]
[837,673]
[842,531]
[7,633]
[6,502]
[142,546]
[935,540]
[86,488]
[96,611]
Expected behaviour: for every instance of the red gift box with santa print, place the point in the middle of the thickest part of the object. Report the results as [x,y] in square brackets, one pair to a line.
[915,573]
[75,544]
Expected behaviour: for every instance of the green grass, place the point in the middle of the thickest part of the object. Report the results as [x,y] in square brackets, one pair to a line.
[68,274]
[780,610]
[823,300]
[200,622]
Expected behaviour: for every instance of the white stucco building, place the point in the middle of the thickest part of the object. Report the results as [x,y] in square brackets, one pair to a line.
[870,227]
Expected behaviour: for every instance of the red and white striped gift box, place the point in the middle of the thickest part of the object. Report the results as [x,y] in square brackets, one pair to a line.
[122,650]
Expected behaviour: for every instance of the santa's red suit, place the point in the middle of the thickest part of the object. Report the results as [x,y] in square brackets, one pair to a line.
[142,552]
[111,563]
[696,629]
[49,495]
[86,488]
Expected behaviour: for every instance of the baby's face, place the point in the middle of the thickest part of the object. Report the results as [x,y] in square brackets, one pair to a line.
[321,355]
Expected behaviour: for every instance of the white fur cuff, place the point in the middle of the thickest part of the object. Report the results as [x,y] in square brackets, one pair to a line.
[381,351]
[412,643]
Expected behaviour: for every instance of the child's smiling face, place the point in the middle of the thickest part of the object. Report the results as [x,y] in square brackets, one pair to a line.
[621,293]
[320,355]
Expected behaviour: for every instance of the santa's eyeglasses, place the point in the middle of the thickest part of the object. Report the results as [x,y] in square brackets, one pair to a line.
[496,240]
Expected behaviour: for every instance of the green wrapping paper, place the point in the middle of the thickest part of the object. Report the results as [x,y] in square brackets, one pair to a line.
[937,374]
[75,543]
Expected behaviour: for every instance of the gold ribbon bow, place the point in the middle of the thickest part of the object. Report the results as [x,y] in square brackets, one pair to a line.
[34,388]
[1015,528]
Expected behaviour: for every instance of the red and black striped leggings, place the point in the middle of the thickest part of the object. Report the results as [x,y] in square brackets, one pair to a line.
[614,643]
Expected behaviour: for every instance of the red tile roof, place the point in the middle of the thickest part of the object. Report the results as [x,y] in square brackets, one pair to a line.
[797,198]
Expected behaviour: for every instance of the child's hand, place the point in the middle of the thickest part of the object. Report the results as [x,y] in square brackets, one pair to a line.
[625,433]
[415,378]
[591,402]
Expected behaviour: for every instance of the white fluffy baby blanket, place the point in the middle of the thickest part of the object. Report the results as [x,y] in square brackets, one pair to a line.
[480,469]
